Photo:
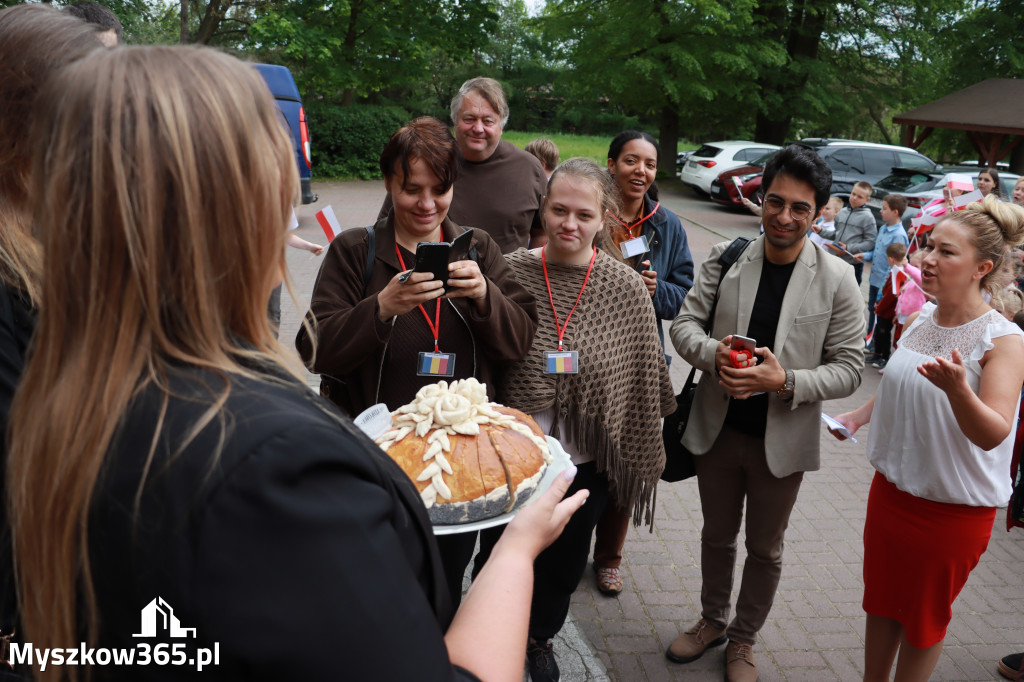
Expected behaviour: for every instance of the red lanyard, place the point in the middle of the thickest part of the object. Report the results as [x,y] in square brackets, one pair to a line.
[629,227]
[435,326]
[561,329]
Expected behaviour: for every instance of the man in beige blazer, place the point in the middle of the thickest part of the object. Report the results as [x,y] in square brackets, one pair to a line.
[755,429]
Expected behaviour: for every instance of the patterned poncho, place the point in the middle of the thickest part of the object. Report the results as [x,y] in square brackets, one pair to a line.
[615,404]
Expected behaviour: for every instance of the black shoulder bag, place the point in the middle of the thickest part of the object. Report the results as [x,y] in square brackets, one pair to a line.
[679,464]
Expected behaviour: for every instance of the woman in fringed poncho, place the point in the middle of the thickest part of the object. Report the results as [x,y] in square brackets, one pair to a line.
[595,379]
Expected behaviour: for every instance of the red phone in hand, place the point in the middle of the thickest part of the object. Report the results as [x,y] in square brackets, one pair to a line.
[741,349]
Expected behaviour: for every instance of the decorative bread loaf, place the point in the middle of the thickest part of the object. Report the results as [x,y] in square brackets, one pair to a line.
[469,458]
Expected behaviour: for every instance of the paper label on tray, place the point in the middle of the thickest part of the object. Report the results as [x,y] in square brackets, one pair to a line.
[374,420]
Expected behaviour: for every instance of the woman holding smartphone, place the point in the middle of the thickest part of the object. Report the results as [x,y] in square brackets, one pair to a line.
[377,325]
[650,238]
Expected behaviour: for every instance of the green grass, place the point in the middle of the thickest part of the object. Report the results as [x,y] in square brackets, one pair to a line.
[594,147]
[589,146]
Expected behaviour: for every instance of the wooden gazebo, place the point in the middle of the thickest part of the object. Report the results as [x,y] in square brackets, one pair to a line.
[991,112]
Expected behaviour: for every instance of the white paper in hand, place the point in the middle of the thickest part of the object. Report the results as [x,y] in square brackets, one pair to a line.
[374,420]
[837,427]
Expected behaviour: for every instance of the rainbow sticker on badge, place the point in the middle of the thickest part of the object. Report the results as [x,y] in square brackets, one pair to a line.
[562,362]
[436,365]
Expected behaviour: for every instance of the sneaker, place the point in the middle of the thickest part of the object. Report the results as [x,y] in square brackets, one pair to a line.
[872,359]
[540,661]
[881,371]
[1010,665]
[880,363]
[739,663]
[692,644]
[609,580]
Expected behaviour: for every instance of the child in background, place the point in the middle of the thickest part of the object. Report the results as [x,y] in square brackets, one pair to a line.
[891,232]
[827,221]
[546,152]
[1008,302]
[885,308]
[855,229]
[912,297]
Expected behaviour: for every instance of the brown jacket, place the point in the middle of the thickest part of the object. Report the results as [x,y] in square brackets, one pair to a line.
[353,341]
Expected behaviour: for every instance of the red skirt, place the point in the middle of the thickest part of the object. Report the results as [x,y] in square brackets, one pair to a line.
[917,557]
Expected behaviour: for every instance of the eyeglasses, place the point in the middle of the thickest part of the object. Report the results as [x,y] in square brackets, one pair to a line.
[774,206]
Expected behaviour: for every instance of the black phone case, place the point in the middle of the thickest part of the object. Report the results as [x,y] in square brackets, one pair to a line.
[432,257]
[460,246]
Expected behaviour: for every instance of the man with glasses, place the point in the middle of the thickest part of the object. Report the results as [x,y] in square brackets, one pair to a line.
[755,423]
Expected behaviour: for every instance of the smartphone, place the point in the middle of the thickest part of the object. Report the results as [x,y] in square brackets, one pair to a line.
[460,246]
[432,257]
[743,343]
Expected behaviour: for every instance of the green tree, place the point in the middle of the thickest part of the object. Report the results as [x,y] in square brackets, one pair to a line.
[355,48]
[662,59]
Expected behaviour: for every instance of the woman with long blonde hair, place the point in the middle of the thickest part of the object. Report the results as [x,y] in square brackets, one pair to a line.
[35,40]
[167,459]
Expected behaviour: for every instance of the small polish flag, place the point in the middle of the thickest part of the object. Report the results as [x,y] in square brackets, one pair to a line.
[328,222]
[964,199]
[960,181]
[739,185]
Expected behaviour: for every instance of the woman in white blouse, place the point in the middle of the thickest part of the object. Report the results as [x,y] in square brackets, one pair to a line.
[941,442]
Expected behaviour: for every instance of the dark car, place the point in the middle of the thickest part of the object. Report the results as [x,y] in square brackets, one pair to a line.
[852,161]
[726,190]
[282,86]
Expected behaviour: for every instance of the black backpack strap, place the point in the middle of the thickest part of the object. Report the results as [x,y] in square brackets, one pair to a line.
[371,252]
[729,256]
[732,254]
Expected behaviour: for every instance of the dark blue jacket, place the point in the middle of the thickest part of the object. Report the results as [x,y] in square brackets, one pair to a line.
[670,258]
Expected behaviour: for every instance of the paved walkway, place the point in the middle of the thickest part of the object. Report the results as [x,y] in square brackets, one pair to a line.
[816,629]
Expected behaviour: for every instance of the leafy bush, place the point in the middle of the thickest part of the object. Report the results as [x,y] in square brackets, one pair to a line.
[347,141]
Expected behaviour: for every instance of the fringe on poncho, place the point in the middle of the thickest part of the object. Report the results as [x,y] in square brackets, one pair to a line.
[614,405]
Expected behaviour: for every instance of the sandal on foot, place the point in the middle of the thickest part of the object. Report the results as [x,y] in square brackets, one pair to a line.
[609,580]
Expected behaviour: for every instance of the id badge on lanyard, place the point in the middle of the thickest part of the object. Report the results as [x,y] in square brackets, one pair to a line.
[634,247]
[436,364]
[563,361]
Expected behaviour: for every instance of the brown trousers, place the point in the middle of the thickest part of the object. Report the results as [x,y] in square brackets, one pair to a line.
[611,536]
[735,470]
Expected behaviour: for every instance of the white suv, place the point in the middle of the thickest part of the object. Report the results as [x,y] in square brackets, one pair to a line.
[705,164]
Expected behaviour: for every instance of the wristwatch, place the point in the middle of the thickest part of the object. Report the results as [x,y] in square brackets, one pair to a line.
[786,392]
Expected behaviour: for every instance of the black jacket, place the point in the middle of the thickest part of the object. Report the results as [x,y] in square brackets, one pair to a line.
[301,553]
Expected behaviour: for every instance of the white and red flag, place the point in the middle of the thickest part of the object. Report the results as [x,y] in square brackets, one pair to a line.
[960,181]
[329,222]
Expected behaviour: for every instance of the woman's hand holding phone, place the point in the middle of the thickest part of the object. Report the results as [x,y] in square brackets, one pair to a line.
[466,281]
[650,278]
[402,295]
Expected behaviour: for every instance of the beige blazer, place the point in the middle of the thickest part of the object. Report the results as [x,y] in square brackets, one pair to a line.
[820,337]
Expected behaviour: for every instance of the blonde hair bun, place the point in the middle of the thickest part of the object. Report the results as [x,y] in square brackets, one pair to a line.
[1009,217]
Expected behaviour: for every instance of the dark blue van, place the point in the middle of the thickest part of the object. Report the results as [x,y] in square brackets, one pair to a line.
[282,86]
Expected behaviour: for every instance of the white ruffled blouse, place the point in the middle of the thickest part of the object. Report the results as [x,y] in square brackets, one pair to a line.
[915,441]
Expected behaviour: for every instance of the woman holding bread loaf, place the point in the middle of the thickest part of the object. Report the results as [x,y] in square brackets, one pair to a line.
[379,326]
[167,458]
[605,405]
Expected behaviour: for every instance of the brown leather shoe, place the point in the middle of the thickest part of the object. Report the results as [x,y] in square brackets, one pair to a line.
[739,663]
[692,644]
